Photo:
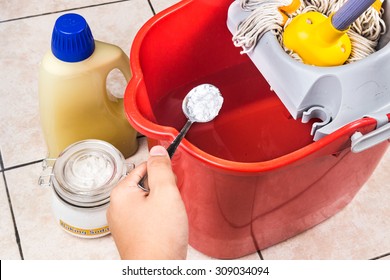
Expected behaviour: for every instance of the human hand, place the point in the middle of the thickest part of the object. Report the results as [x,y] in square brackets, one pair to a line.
[150,225]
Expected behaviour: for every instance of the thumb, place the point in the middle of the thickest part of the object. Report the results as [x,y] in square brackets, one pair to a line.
[159,169]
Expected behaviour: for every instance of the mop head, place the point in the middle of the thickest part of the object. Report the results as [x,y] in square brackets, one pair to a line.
[269,15]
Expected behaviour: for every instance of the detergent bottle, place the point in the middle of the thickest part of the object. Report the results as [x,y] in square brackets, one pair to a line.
[74,101]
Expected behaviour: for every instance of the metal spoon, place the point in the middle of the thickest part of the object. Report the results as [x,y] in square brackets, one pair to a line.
[201,104]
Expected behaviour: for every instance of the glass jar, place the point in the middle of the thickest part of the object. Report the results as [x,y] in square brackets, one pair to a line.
[82,178]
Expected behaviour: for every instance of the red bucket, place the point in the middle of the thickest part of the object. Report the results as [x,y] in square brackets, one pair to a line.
[253,177]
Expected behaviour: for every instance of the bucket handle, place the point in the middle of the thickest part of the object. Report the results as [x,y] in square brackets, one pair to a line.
[362,142]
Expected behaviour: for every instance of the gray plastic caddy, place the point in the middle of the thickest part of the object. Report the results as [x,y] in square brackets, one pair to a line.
[335,95]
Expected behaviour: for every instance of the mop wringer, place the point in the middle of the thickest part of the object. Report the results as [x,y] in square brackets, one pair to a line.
[314,81]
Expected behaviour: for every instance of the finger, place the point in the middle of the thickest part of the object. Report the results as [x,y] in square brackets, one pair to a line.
[159,169]
[124,191]
[134,176]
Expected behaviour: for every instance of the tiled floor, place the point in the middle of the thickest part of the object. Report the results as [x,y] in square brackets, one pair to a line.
[360,231]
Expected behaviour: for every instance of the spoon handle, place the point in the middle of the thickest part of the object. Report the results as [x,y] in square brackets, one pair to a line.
[175,143]
[143,183]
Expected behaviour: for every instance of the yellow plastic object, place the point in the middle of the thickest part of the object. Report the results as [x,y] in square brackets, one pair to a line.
[74,103]
[289,9]
[313,37]
[377,5]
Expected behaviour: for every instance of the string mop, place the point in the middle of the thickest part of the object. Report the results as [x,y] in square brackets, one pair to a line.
[275,15]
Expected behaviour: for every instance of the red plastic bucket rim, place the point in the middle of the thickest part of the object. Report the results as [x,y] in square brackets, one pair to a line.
[164,133]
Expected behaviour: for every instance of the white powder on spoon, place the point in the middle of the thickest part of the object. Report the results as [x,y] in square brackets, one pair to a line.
[204,103]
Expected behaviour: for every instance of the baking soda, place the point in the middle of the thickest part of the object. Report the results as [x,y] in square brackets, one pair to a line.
[204,103]
[91,171]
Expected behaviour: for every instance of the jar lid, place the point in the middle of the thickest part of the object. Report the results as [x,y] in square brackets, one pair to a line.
[86,172]
[72,39]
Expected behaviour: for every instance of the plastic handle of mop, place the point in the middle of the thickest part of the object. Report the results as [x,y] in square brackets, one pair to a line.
[349,12]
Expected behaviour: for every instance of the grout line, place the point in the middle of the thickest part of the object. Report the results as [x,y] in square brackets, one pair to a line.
[381,256]
[260,255]
[2,168]
[17,237]
[252,231]
[22,165]
[65,10]
[151,7]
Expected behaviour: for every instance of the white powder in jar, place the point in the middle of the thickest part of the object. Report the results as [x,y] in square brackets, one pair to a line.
[91,171]
[204,103]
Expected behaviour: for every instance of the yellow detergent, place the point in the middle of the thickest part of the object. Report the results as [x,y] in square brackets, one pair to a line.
[74,102]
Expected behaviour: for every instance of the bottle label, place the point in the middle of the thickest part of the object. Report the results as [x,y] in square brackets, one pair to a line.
[81,232]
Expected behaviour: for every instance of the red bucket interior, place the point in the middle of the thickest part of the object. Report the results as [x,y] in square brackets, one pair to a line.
[253,125]
[177,54]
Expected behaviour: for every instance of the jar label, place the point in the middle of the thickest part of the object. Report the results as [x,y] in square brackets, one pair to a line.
[84,232]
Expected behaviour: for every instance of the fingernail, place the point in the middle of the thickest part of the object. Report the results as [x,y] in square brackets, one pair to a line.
[158,151]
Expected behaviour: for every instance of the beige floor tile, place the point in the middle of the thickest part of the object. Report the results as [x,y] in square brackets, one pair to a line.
[40,236]
[387,258]
[159,5]
[359,231]
[10,10]
[9,247]
[142,153]
[193,254]
[20,134]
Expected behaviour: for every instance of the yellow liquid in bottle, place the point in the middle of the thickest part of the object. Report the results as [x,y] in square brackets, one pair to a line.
[75,105]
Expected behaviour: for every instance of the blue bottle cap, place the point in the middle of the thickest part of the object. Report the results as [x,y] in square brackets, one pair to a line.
[72,39]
